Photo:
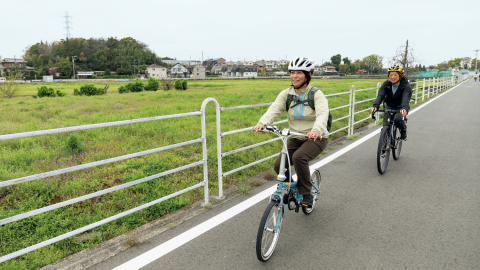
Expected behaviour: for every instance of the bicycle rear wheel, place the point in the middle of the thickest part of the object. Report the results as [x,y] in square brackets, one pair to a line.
[316,178]
[269,230]
[383,151]
[397,143]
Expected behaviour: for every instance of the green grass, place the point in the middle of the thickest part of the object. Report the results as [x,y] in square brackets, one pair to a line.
[23,157]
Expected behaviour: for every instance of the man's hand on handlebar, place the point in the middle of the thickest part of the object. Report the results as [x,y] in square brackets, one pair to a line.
[258,128]
[403,112]
[313,136]
[373,110]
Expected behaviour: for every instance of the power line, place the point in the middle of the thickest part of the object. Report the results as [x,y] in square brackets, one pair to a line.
[67,25]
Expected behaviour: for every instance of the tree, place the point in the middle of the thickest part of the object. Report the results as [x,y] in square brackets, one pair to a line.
[373,62]
[405,57]
[66,67]
[443,66]
[346,61]
[336,60]
[454,63]
[12,84]
[473,65]
[344,68]
[284,67]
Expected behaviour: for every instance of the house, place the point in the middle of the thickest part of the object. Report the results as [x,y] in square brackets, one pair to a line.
[239,71]
[183,62]
[156,71]
[218,69]
[214,62]
[260,67]
[271,64]
[2,67]
[362,71]
[198,71]
[329,69]
[14,62]
[179,70]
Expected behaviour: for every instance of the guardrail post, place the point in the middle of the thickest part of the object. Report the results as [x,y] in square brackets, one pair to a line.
[423,90]
[204,148]
[416,93]
[377,114]
[352,110]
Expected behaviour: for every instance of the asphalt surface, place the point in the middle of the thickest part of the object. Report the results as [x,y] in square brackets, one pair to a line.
[423,213]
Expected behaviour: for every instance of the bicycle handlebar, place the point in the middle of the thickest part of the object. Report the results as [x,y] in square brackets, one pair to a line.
[385,110]
[285,132]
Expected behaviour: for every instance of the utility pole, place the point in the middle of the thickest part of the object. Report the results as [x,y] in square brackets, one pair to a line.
[476,60]
[133,68]
[73,64]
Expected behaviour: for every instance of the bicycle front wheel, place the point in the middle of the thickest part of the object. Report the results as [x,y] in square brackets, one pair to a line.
[383,151]
[316,178]
[397,144]
[269,230]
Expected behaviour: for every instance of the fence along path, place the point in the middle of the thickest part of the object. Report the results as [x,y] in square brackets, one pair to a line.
[432,88]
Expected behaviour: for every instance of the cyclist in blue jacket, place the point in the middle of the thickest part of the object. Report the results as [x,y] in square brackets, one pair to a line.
[396,91]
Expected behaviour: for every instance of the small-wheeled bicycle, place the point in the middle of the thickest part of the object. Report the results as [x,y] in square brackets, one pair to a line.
[286,194]
[389,141]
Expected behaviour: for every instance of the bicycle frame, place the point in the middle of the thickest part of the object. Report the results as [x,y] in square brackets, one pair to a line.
[281,184]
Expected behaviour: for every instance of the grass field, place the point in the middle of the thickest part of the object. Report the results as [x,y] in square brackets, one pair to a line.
[23,157]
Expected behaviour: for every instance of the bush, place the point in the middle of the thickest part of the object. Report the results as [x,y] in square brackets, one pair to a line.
[88,89]
[61,94]
[122,89]
[136,86]
[178,85]
[152,84]
[73,144]
[43,91]
[184,84]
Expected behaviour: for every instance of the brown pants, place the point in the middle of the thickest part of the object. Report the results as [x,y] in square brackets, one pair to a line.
[300,153]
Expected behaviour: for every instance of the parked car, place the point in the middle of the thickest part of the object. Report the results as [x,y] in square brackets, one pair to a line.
[2,79]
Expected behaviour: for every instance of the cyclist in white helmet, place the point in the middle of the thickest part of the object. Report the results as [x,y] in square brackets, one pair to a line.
[301,118]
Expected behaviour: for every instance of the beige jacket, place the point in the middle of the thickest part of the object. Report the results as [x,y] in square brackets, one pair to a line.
[301,118]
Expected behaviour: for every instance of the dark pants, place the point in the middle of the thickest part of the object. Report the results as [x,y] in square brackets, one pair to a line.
[398,119]
[300,153]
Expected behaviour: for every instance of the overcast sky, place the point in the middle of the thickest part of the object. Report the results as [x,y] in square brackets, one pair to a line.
[254,29]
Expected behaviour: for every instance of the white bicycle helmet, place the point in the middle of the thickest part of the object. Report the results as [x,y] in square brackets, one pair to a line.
[301,63]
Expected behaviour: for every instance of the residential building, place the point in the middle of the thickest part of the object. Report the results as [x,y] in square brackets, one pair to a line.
[218,69]
[156,71]
[260,67]
[183,62]
[248,63]
[271,64]
[198,71]
[179,70]
[2,67]
[14,62]
[239,71]
[329,69]
[214,62]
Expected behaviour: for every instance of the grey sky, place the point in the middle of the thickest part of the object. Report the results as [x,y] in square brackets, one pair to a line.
[270,30]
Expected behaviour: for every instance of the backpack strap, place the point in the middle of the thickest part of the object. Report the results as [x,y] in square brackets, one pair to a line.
[310,99]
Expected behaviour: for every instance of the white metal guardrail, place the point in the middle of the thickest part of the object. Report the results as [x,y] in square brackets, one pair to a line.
[203,162]
[433,87]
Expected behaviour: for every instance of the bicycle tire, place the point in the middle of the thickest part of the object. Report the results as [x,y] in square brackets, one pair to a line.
[266,237]
[316,179]
[397,143]
[383,153]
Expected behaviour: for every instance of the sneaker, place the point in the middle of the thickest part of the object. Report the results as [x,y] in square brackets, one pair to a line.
[307,200]
[403,135]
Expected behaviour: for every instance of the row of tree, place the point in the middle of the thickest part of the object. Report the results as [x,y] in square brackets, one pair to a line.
[125,56]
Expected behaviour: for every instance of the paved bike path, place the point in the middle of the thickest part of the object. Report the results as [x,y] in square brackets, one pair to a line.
[421,214]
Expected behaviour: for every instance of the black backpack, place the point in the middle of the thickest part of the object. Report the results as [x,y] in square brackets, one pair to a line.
[311,103]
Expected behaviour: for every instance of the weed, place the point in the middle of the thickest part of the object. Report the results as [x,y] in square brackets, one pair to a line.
[255,182]
[132,242]
[244,188]
[209,206]
[352,137]
[73,144]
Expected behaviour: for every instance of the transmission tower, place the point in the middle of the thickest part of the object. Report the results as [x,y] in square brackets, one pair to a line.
[67,24]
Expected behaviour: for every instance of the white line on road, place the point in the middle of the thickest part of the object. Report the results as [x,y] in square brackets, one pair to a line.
[162,249]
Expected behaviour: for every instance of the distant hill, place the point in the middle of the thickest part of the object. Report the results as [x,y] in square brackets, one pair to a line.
[92,54]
